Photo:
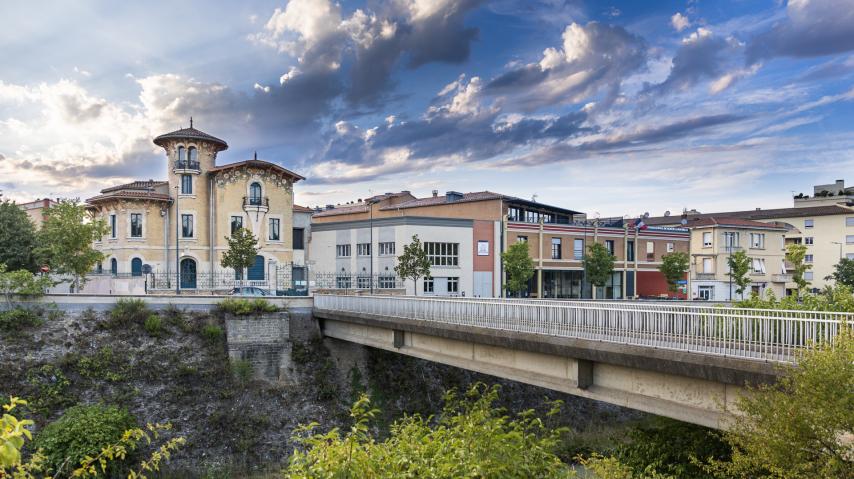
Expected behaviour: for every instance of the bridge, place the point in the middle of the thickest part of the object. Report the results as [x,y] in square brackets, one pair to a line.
[681,361]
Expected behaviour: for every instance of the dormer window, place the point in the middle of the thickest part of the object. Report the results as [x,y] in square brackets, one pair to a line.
[255,194]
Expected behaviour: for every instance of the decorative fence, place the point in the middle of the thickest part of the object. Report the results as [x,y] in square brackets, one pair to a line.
[770,335]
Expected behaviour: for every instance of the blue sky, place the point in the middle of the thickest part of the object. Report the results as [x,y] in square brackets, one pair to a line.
[613,108]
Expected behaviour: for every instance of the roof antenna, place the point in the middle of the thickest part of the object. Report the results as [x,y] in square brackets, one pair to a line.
[191,122]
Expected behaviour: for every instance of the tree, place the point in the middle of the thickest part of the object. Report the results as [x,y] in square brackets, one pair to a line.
[739,271]
[673,267]
[17,237]
[803,425]
[844,272]
[242,250]
[470,438]
[413,263]
[598,265]
[65,240]
[21,283]
[518,266]
[795,254]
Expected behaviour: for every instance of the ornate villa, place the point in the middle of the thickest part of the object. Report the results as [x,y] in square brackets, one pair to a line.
[204,203]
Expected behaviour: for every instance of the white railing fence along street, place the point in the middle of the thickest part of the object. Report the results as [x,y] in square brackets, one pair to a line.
[771,335]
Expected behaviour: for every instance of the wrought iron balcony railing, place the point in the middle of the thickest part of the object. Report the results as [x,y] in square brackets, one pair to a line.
[187,165]
[256,201]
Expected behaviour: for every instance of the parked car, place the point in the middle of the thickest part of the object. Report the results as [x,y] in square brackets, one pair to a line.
[250,291]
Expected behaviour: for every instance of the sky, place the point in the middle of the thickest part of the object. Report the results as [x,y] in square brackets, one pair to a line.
[610,108]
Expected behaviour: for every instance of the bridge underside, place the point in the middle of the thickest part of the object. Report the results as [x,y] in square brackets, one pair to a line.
[699,389]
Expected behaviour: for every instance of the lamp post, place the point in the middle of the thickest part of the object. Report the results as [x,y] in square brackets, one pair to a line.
[177,254]
[840,247]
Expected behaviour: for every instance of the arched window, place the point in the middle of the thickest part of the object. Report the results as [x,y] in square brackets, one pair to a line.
[182,154]
[194,153]
[136,267]
[255,193]
[114,266]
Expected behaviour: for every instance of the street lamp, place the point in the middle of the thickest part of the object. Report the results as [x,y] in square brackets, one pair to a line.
[840,247]
[177,254]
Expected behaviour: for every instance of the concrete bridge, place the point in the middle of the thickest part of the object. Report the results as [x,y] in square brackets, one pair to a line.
[685,362]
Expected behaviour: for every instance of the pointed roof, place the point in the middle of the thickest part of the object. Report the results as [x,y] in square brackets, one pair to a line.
[265,165]
[190,134]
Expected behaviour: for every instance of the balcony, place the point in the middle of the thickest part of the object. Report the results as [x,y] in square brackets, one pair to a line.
[704,276]
[187,166]
[781,278]
[255,203]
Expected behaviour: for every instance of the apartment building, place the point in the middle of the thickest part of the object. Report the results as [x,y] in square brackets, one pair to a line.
[36,210]
[464,235]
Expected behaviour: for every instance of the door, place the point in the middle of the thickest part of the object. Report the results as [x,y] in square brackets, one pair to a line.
[136,267]
[440,286]
[188,273]
[483,284]
[256,271]
[298,276]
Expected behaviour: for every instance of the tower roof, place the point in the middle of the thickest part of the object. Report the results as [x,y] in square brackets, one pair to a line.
[190,134]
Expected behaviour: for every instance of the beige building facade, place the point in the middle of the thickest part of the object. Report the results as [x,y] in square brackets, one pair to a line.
[182,224]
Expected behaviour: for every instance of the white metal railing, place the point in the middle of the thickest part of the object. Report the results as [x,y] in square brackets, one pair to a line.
[771,335]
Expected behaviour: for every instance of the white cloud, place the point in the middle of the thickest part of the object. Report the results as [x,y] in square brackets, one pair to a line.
[679,22]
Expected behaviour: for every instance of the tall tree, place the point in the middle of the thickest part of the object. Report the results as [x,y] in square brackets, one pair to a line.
[739,271]
[795,255]
[598,265]
[242,250]
[65,240]
[17,237]
[518,266]
[673,267]
[844,272]
[413,263]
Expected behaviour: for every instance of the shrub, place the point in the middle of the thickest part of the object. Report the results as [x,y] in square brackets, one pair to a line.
[128,311]
[50,385]
[246,307]
[18,319]
[83,431]
[242,370]
[104,365]
[154,325]
[212,333]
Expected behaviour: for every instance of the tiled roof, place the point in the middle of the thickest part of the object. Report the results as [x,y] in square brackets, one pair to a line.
[733,222]
[130,195]
[343,210]
[303,209]
[191,134]
[136,185]
[758,214]
[442,200]
[258,164]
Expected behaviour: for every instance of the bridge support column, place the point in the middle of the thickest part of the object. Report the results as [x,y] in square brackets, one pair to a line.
[584,373]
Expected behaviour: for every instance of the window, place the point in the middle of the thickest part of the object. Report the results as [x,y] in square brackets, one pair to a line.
[555,248]
[274,232]
[630,250]
[186,226]
[298,237]
[809,240]
[342,251]
[136,225]
[532,217]
[670,247]
[363,249]
[706,293]
[609,245]
[454,285]
[849,221]
[514,214]
[386,248]
[809,223]
[182,154]
[386,281]
[707,239]
[114,266]
[650,251]
[442,254]
[193,154]
[808,258]
[363,282]
[112,226]
[342,281]
[849,255]
[521,239]
[428,285]
[186,184]
[236,224]
[255,194]
[808,275]
[759,265]
[708,266]
[578,248]
[731,239]
[849,239]
[757,240]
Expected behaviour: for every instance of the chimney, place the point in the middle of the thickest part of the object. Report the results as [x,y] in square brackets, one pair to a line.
[453,196]
[435,193]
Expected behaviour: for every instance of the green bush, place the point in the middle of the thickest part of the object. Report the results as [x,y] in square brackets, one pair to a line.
[50,386]
[246,307]
[17,319]
[128,311]
[242,370]
[83,431]
[154,325]
[212,333]
[104,365]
